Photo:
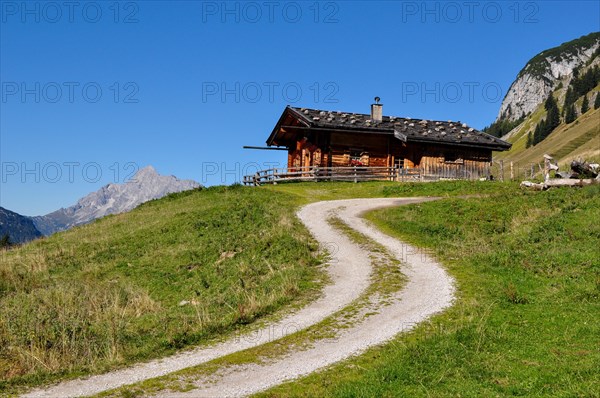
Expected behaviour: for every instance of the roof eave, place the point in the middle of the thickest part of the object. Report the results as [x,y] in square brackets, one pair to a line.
[496,145]
[285,112]
[463,144]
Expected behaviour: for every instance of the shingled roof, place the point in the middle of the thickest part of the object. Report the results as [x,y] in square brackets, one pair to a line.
[404,129]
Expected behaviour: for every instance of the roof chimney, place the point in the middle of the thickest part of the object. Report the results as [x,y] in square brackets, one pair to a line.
[377,111]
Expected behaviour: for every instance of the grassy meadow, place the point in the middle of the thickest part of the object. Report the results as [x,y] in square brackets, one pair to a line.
[527,266]
[525,322]
[109,293]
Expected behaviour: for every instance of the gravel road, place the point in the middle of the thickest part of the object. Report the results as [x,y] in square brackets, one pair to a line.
[428,290]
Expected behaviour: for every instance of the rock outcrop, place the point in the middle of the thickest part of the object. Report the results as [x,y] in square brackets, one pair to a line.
[543,72]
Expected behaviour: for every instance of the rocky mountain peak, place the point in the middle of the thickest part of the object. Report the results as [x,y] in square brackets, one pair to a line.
[146,184]
[145,172]
[542,73]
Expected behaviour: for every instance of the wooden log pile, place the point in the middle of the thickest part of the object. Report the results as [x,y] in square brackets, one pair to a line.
[581,174]
[584,170]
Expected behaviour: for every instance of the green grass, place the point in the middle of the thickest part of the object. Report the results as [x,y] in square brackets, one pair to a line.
[525,322]
[575,143]
[385,280]
[311,192]
[107,294]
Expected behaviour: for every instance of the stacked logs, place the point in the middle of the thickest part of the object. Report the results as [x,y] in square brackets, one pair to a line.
[581,174]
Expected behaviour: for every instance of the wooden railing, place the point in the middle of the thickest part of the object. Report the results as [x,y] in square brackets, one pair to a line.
[349,173]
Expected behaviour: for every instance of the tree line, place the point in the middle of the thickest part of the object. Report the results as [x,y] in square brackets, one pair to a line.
[580,85]
[545,126]
[5,241]
[501,127]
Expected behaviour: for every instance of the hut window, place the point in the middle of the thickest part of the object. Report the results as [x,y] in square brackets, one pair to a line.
[356,158]
[453,157]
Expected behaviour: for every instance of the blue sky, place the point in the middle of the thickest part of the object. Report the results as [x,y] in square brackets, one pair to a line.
[91,91]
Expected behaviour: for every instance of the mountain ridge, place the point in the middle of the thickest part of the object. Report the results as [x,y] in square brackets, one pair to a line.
[145,185]
[19,228]
[575,132]
[542,73]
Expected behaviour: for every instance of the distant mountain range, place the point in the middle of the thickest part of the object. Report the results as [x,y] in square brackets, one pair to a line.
[20,229]
[146,185]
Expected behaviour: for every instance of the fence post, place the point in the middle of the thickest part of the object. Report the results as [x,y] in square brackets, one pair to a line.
[532,170]
[546,168]
[502,170]
[512,172]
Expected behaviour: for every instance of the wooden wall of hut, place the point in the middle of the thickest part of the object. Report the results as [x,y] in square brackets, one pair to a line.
[337,150]
[455,162]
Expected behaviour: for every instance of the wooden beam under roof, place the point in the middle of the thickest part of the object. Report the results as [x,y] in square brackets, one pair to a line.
[268,148]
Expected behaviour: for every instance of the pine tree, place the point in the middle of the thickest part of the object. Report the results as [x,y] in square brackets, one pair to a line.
[597,101]
[5,242]
[553,118]
[570,114]
[529,140]
[547,126]
[582,84]
[537,134]
[550,103]
[569,97]
[589,80]
[585,106]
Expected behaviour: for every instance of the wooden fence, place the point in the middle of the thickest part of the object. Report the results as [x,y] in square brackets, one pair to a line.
[509,171]
[354,174]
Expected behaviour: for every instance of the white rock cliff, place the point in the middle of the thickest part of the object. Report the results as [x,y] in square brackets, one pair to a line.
[540,77]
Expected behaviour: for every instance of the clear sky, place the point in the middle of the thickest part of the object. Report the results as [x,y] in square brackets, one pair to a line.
[92,90]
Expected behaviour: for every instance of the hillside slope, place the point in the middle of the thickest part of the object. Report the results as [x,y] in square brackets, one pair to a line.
[526,265]
[580,139]
[174,272]
[19,229]
[226,246]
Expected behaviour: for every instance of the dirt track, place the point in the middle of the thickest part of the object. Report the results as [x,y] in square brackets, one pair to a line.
[429,290]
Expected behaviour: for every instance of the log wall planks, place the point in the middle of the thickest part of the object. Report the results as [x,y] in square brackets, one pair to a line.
[346,149]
